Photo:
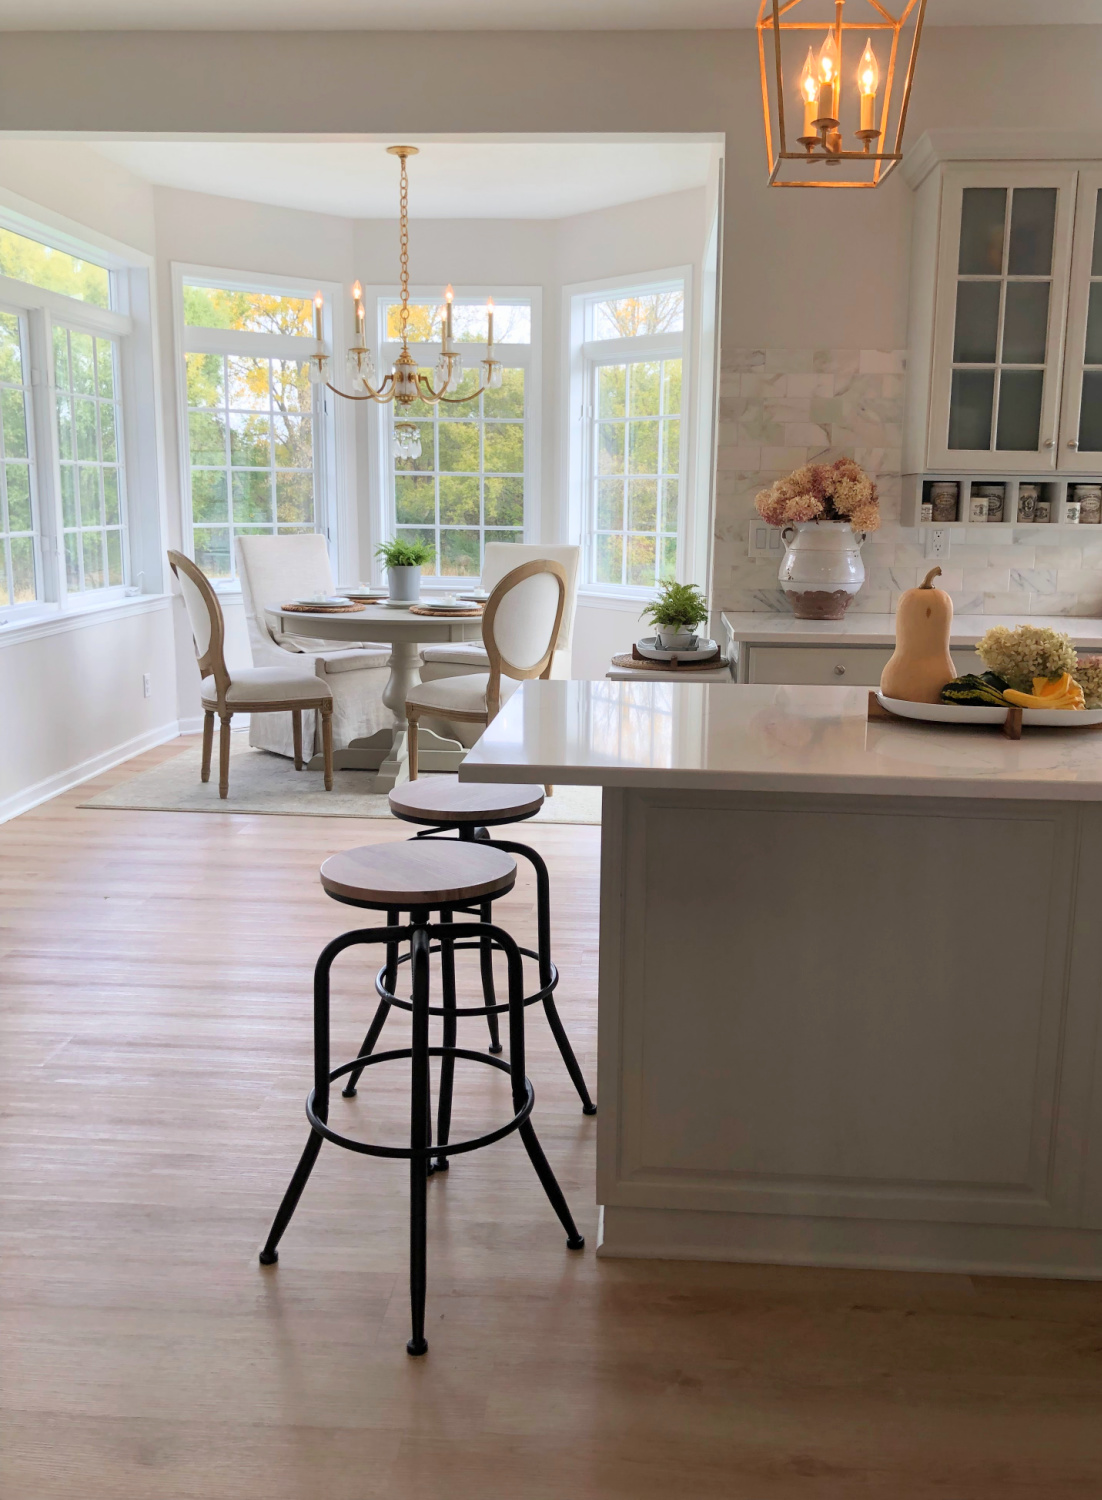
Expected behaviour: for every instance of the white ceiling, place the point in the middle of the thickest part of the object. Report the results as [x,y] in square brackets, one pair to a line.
[475,15]
[448,179]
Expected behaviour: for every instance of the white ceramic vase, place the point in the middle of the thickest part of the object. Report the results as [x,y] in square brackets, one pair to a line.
[674,638]
[822,568]
[405,583]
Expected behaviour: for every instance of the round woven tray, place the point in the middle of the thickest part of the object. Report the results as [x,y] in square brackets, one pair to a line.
[351,608]
[714,663]
[445,614]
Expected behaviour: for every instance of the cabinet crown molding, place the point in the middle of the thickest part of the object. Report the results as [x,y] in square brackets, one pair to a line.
[990,144]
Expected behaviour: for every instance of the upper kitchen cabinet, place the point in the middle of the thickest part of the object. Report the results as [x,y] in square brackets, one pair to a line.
[1005,369]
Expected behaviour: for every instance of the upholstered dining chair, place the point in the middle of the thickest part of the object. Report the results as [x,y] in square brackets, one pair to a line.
[272,570]
[247,690]
[520,626]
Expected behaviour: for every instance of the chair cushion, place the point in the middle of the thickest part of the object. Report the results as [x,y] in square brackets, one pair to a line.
[466,694]
[352,661]
[266,685]
[459,654]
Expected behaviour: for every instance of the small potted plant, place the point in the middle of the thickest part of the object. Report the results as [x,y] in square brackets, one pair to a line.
[404,561]
[676,612]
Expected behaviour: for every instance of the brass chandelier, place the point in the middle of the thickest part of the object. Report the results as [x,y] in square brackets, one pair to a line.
[816,155]
[405,384]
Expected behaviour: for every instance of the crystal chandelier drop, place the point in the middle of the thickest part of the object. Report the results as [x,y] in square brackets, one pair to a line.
[405,384]
[808,123]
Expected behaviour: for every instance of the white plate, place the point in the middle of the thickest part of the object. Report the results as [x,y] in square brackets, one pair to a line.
[463,605]
[329,601]
[647,648]
[974,713]
[364,596]
[479,598]
[398,603]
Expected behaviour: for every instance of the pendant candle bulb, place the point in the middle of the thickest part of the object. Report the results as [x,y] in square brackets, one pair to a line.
[405,383]
[830,116]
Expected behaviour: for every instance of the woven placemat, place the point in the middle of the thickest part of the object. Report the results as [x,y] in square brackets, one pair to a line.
[352,608]
[641,664]
[445,614]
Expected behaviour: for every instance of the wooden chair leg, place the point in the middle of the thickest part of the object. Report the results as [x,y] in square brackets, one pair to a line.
[296,722]
[548,791]
[224,755]
[411,744]
[327,743]
[208,742]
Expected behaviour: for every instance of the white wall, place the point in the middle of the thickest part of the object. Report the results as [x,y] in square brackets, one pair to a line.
[71,699]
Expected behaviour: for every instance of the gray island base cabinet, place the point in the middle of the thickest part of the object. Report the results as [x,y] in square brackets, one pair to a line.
[850,976]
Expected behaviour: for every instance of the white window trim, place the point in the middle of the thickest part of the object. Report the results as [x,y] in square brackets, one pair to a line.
[336,519]
[131,321]
[528,357]
[579,355]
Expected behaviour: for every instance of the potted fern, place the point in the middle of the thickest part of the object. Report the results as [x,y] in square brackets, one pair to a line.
[675,613]
[404,561]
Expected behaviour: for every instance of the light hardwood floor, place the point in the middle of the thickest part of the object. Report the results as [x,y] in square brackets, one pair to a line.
[156,1022]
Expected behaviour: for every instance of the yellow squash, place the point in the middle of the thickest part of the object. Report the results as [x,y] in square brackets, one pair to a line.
[1048,692]
[920,665]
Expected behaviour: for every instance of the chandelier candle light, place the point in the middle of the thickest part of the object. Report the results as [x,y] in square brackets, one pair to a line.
[405,384]
[820,85]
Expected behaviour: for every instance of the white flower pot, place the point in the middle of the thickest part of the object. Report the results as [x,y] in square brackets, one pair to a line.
[405,583]
[822,568]
[674,638]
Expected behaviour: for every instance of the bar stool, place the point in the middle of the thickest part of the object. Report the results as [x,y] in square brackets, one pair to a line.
[421,878]
[443,804]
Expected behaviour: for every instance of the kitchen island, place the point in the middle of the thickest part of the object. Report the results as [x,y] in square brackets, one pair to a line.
[850,975]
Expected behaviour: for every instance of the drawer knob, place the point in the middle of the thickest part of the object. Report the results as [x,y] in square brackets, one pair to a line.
[839,671]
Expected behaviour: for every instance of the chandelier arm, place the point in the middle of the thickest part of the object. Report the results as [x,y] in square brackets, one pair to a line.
[432,395]
[455,400]
[382,395]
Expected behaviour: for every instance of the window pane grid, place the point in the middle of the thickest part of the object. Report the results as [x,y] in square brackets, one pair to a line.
[251,453]
[636,465]
[18,500]
[467,486]
[90,457]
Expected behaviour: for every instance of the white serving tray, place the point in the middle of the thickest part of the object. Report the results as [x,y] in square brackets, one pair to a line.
[974,713]
[648,649]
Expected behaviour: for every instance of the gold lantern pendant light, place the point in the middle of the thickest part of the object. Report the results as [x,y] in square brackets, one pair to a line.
[405,384]
[814,157]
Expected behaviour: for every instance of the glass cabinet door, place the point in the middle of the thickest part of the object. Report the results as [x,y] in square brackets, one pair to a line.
[1080,443]
[1002,285]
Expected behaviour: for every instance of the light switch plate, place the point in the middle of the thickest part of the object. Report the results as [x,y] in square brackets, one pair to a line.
[765,541]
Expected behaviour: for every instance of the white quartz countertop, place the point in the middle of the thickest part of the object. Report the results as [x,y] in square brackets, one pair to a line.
[767,629]
[729,737]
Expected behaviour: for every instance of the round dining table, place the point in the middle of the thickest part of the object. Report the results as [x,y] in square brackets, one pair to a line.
[384,753]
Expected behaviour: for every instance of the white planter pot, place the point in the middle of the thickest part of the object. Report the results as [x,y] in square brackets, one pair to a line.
[822,568]
[405,583]
[674,638]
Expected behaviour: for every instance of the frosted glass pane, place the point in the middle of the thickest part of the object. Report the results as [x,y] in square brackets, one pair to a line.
[1032,225]
[1096,259]
[977,329]
[983,215]
[1090,413]
[1019,428]
[1093,355]
[1025,323]
[970,408]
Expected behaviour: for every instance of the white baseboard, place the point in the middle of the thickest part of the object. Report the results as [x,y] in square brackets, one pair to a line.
[193,725]
[42,791]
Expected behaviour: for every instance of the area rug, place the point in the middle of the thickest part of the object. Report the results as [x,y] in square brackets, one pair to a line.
[264,783]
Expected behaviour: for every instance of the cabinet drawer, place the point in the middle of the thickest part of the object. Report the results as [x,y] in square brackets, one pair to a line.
[842,666]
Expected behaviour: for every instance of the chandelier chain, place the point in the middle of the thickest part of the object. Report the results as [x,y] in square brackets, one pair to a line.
[404,241]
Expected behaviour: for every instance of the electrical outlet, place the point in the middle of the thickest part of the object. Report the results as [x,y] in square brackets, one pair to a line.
[937,543]
[147,686]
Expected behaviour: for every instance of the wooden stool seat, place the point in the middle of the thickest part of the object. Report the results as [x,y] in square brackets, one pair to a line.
[427,873]
[447,801]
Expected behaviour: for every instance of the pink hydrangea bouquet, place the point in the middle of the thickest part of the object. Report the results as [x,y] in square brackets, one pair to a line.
[840,491]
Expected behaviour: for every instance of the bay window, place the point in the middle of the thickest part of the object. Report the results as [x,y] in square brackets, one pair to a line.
[473,481]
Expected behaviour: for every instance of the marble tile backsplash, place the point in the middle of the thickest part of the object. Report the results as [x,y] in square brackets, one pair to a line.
[780,408]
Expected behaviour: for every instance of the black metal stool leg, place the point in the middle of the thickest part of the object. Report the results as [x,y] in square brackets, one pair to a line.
[270,1253]
[486,962]
[447,1063]
[373,1031]
[419,1138]
[574,1241]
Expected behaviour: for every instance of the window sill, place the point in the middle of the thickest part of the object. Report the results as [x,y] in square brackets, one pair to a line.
[52,620]
[612,598]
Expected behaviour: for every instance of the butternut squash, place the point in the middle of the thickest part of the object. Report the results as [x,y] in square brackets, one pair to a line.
[920,665]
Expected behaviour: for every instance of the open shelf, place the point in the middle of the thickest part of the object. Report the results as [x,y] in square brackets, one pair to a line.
[916,489]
